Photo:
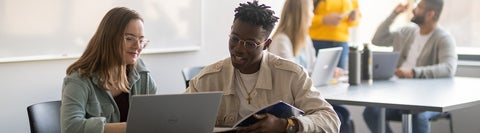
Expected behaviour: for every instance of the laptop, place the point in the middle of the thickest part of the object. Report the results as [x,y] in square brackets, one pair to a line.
[173,113]
[384,64]
[325,65]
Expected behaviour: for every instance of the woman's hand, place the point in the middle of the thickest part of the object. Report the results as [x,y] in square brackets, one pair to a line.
[115,127]
[332,19]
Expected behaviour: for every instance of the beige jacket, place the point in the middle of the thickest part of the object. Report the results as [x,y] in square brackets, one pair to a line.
[86,107]
[278,79]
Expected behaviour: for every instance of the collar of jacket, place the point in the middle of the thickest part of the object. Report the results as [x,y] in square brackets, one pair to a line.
[264,80]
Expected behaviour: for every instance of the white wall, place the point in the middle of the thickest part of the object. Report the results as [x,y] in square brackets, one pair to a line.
[26,83]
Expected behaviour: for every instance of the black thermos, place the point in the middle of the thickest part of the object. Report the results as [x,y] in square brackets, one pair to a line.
[367,70]
[354,67]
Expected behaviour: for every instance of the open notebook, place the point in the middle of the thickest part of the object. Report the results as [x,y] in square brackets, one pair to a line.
[279,109]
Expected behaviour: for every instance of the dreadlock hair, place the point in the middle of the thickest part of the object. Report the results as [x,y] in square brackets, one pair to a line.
[253,13]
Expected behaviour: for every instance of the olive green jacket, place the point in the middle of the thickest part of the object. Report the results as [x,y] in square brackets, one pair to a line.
[86,107]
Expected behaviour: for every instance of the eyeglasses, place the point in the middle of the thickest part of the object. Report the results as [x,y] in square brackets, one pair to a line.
[248,44]
[131,39]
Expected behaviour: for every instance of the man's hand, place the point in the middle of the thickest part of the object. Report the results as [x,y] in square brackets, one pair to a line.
[268,124]
[404,73]
[401,8]
[332,19]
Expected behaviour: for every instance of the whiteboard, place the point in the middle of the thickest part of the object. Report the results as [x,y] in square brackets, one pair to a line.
[62,28]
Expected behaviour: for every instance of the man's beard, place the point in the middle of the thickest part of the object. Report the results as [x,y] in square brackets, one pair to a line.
[418,19]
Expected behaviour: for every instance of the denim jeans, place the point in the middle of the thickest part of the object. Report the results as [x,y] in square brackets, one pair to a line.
[420,121]
[320,44]
[344,116]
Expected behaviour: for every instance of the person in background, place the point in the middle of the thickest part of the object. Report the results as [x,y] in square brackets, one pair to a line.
[331,24]
[98,86]
[291,40]
[330,28]
[252,78]
[426,51]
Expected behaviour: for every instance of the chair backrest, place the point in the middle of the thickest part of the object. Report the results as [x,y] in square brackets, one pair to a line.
[190,72]
[44,117]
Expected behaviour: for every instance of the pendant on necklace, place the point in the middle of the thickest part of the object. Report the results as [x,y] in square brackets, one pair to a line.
[248,99]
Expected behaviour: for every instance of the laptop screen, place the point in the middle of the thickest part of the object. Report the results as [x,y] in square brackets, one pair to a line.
[325,64]
[384,64]
[173,113]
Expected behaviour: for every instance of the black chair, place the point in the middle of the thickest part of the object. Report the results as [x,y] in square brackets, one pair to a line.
[190,72]
[44,117]
[444,115]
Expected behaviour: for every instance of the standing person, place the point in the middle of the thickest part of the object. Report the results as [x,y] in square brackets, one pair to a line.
[330,28]
[291,41]
[252,78]
[98,86]
[331,24]
[426,51]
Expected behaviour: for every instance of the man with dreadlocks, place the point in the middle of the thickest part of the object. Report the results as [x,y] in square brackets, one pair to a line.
[252,78]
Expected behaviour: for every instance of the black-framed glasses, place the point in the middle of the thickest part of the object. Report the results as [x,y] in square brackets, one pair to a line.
[248,44]
[131,39]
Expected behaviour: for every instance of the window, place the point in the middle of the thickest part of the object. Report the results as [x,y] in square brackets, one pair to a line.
[460,18]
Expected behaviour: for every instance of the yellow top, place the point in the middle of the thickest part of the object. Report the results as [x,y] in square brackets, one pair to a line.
[339,33]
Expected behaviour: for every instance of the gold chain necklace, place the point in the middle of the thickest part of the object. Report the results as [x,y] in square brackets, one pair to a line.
[245,88]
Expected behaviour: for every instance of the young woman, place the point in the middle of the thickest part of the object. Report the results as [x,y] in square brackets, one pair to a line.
[98,86]
[291,40]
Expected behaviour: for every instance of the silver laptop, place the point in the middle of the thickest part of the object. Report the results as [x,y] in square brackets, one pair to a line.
[174,113]
[384,64]
[325,64]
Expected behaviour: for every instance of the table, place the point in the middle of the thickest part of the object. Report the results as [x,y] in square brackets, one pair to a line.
[413,95]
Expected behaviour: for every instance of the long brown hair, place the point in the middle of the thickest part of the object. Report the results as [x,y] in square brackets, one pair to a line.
[294,22]
[104,52]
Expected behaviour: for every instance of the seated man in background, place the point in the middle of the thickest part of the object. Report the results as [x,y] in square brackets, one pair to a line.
[252,78]
[426,51]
